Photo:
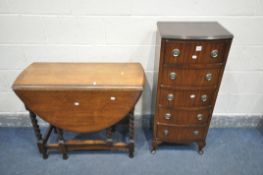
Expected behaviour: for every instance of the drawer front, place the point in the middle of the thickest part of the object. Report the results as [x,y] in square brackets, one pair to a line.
[190,77]
[183,117]
[186,98]
[194,52]
[180,134]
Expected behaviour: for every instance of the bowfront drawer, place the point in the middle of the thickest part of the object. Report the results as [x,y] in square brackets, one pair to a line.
[177,134]
[186,98]
[183,117]
[190,77]
[178,51]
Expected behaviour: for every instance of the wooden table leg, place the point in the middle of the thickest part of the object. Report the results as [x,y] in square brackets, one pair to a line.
[62,145]
[40,143]
[109,133]
[55,130]
[154,147]
[131,134]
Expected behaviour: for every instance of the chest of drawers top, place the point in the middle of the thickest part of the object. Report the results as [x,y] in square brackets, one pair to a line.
[193,30]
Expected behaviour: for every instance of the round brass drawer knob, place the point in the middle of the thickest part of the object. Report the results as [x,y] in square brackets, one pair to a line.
[200,117]
[175,52]
[172,75]
[168,116]
[196,132]
[170,97]
[165,132]
[214,53]
[208,76]
[204,98]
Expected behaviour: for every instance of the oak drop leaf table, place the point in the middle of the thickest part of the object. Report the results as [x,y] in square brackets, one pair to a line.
[80,97]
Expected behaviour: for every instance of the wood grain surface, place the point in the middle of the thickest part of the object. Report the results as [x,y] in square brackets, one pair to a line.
[81,76]
[187,70]
[65,95]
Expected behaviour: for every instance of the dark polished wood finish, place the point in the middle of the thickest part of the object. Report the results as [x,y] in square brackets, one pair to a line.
[180,134]
[185,116]
[40,142]
[189,64]
[188,49]
[184,77]
[182,98]
[80,97]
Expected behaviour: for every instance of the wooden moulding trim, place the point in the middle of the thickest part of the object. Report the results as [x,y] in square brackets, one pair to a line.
[195,66]
[187,108]
[162,86]
[183,126]
[183,141]
[89,145]
[75,87]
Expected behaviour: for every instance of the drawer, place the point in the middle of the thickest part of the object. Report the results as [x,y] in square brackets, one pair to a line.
[177,51]
[186,98]
[190,77]
[180,134]
[183,117]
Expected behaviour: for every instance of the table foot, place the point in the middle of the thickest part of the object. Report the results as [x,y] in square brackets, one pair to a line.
[131,134]
[62,145]
[40,141]
[201,146]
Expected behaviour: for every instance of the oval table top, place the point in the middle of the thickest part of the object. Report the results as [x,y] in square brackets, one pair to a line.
[80,97]
[81,76]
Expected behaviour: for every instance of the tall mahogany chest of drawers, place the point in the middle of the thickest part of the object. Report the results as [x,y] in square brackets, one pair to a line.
[189,64]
